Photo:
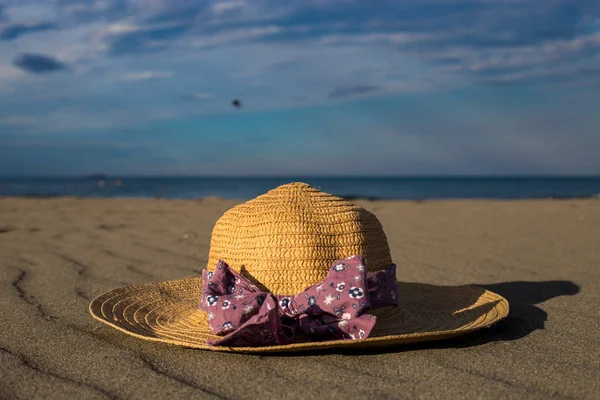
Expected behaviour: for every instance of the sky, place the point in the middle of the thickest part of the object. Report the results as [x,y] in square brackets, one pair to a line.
[328,87]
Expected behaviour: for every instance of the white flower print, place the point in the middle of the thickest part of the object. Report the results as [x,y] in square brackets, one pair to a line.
[357,278]
[393,295]
[226,304]
[240,296]
[361,333]
[340,286]
[212,300]
[352,336]
[328,299]
[361,267]
[227,326]
[248,309]
[285,302]
[211,316]
[346,316]
[356,293]
[210,275]
[339,267]
[342,323]
[319,288]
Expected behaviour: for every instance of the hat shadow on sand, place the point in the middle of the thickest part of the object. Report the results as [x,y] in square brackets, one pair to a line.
[525,316]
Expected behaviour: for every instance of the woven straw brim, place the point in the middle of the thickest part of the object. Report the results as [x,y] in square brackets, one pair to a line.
[168,312]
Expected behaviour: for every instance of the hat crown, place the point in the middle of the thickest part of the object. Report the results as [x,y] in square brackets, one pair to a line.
[287,239]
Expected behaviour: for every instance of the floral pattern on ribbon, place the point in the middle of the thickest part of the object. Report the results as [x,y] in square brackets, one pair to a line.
[330,310]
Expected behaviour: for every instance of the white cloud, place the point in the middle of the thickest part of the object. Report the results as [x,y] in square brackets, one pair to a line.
[397,38]
[403,55]
[236,36]
[224,6]
[71,45]
[146,75]
[510,64]
[121,28]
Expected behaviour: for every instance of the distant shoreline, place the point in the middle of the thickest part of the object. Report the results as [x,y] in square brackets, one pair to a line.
[299,178]
[349,198]
[370,189]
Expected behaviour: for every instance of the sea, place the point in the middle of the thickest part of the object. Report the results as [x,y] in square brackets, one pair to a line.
[405,188]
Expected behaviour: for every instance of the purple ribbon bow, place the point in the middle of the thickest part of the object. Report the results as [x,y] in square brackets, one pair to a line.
[332,309]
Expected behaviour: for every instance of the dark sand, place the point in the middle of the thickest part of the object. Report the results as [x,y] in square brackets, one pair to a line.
[57,254]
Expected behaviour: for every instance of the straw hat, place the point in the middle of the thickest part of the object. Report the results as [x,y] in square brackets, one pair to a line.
[284,242]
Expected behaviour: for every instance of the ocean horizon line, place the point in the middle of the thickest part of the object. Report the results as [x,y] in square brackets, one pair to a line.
[300,177]
[363,187]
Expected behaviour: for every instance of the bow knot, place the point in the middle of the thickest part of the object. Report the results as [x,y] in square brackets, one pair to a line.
[332,309]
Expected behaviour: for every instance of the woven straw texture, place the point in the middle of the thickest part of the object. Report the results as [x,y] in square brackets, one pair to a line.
[285,241]
[168,312]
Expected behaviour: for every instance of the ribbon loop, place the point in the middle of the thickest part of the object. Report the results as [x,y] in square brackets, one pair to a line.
[332,309]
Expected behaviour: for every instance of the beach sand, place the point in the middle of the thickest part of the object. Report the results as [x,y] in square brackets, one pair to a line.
[57,254]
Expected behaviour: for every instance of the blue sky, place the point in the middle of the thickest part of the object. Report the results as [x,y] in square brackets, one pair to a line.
[413,87]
